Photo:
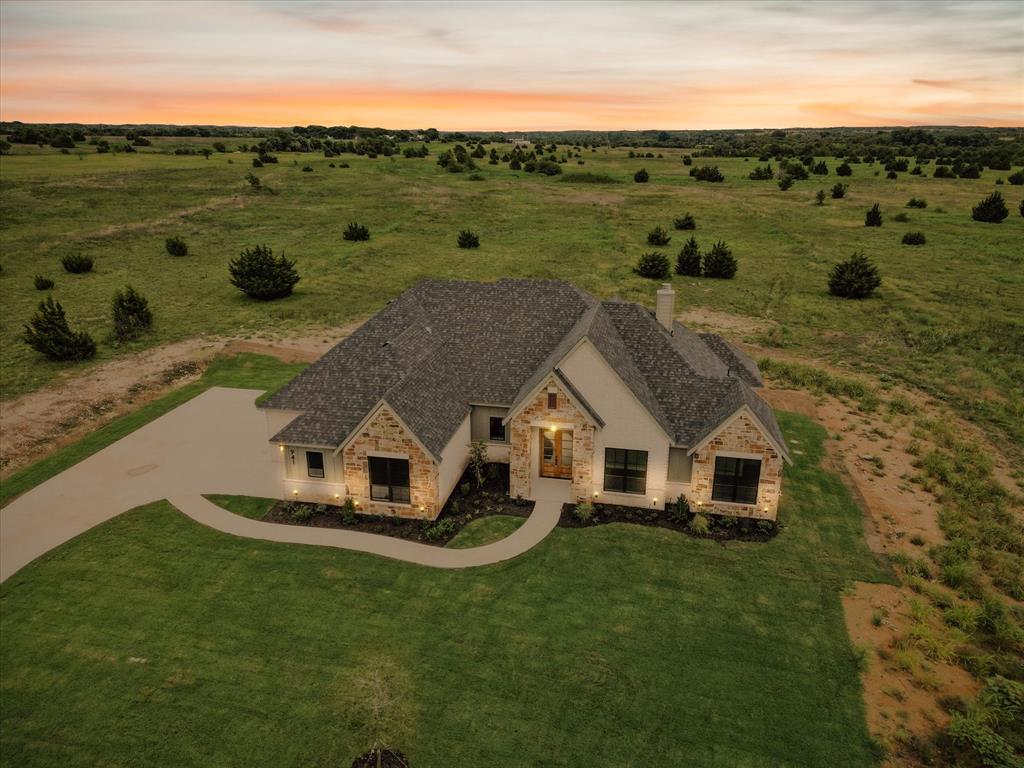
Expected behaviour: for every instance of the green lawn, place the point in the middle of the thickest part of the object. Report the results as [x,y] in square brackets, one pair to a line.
[485,531]
[951,305]
[152,640]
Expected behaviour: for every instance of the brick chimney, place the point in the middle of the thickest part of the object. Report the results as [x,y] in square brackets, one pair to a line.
[665,309]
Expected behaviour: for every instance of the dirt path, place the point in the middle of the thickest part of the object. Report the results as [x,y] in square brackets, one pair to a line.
[38,423]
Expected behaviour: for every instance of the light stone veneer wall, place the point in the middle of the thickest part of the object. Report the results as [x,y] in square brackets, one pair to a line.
[525,440]
[384,435]
[740,437]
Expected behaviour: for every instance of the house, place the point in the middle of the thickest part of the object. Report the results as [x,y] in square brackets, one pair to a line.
[583,399]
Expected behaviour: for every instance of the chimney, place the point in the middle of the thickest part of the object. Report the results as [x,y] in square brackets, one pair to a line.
[666,307]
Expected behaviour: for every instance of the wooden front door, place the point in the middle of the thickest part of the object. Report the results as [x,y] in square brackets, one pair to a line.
[556,453]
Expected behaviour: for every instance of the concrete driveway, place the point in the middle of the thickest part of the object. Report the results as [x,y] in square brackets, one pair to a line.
[215,443]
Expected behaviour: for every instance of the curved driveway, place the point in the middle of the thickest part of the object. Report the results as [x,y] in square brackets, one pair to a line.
[214,443]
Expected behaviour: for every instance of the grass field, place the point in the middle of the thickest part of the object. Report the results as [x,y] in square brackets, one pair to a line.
[947,318]
[151,640]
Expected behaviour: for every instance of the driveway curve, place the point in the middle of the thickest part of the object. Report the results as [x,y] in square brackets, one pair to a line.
[214,443]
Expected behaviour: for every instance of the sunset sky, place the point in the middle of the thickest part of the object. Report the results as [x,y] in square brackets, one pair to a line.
[514,65]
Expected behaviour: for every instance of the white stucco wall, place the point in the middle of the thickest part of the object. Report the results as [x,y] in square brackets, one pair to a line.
[454,459]
[627,425]
[480,430]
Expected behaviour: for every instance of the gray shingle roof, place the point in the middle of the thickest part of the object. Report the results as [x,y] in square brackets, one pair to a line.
[445,344]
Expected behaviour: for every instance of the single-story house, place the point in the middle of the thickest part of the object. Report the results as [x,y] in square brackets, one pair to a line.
[593,400]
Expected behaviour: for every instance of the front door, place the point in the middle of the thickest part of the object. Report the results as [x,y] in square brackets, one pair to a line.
[556,453]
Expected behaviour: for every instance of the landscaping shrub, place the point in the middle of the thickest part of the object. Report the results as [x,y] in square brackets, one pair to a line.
[685,221]
[468,239]
[261,275]
[653,265]
[700,525]
[844,170]
[873,218]
[440,529]
[917,202]
[641,176]
[176,246]
[43,283]
[356,232]
[76,263]
[583,511]
[48,333]
[679,510]
[855,278]
[991,210]
[132,314]
[838,191]
[719,262]
[914,238]
[688,260]
[658,236]
[707,173]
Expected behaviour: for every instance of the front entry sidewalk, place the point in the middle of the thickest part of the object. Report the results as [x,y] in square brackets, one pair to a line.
[214,443]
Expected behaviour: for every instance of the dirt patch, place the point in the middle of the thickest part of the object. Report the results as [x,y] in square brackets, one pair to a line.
[38,423]
[706,318]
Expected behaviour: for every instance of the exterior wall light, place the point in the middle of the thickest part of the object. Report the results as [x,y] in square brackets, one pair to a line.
[295,492]
[337,496]
[596,494]
[281,448]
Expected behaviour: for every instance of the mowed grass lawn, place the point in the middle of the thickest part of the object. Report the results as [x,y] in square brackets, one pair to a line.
[151,640]
[952,305]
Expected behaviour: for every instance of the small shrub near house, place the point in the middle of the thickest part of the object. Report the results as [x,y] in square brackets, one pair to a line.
[855,278]
[583,511]
[356,232]
[658,236]
[700,525]
[684,222]
[131,313]
[719,262]
[42,283]
[653,265]
[917,202]
[49,334]
[839,191]
[175,246]
[914,238]
[688,260]
[468,239]
[261,275]
[707,173]
[77,264]
[641,176]
[991,210]
[873,218]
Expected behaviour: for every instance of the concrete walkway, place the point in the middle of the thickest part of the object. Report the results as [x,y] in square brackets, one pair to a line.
[215,443]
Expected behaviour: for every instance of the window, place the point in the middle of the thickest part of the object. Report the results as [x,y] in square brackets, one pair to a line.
[736,480]
[314,463]
[680,465]
[389,479]
[497,430]
[552,399]
[625,471]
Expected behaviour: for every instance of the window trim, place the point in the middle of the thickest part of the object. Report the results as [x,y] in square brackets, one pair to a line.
[490,429]
[390,498]
[736,476]
[323,465]
[625,471]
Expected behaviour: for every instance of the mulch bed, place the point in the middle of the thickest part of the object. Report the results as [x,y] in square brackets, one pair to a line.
[722,527]
[460,509]
[388,759]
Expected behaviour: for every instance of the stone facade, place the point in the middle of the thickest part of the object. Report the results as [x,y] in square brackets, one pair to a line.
[524,441]
[384,434]
[741,437]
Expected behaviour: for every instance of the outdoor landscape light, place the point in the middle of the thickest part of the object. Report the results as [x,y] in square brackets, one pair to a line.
[595,494]
[295,493]
[337,496]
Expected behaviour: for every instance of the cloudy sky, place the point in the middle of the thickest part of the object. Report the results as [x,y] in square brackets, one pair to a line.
[514,65]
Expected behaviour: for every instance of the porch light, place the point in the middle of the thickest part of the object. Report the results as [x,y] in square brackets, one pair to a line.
[280,448]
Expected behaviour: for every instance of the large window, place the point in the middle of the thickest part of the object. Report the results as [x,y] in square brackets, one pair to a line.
[314,463]
[497,430]
[736,480]
[625,471]
[389,479]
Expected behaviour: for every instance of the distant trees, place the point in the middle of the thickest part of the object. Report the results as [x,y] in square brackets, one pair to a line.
[131,313]
[688,260]
[641,176]
[762,174]
[991,210]
[220,146]
[355,232]
[77,264]
[838,191]
[468,239]
[855,278]
[844,169]
[719,262]
[658,236]
[48,333]
[873,218]
[795,171]
[175,246]
[820,168]
[261,275]
[707,173]
[653,265]
[684,222]
[420,151]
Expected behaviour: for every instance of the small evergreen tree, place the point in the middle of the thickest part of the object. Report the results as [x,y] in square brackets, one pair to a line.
[873,218]
[658,236]
[478,461]
[688,260]
[687,160]
[707,173]
[719,262]
[76,263]
[356,232]
[991,210]
[48,333]
[855,278]
[819,197]
[1016,178]
[913,238]
[785,182]
[43,283]
[844,170]
[468,239]
[176,246]
[838,191]
[653,265]
[917,202]
[132,314]
[685,222]
[641,176]
[820,168]
[257,163]
[767,173]
[261,275]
